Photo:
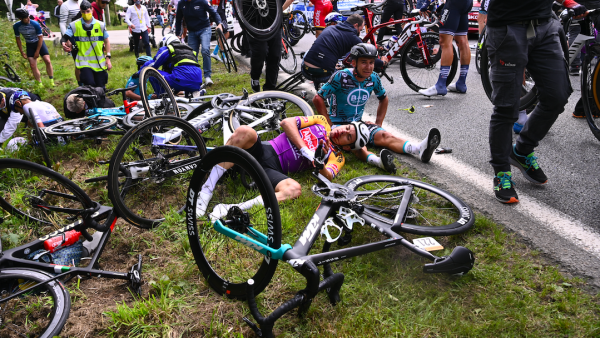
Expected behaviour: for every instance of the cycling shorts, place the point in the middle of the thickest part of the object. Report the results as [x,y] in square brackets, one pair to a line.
[483,6]
[31,48]
[322,8]
[223,21]
[455,17]
[266,156]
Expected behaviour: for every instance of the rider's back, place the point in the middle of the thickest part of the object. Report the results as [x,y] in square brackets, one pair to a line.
[335,42]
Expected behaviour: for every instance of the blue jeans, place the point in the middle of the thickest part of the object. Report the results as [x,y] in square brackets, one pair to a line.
[202,37]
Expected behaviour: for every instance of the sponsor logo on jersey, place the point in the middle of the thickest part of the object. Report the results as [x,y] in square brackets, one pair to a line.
[309,138]
[358,97]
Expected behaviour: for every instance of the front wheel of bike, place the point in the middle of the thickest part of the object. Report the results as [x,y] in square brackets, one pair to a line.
[40,312]
[297,25]
[260,18]
[158,156]
[32,192]
[228,263]
[429,209]
[282,104]
[288,61]
[154,86]
[590,94]
[415,72]
[82,126]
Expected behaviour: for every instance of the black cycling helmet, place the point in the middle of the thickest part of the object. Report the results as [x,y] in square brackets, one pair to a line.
[21,13]
[85,5]
[363,50]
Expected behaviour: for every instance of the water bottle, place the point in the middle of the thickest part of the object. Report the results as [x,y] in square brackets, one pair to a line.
[392,41]
[62,240]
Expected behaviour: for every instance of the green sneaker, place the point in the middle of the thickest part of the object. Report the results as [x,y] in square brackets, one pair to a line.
[504,188]
[528,166]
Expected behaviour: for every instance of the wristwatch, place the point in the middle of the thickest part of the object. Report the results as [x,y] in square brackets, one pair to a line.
[108,55]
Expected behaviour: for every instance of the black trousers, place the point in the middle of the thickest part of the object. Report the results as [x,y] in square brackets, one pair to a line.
[92,78]
[391,9]
[510,52]
[145,40]
[269,52]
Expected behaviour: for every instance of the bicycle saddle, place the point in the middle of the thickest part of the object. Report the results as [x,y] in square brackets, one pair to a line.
[120,90]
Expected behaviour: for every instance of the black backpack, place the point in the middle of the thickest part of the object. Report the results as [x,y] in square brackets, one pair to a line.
[102,101]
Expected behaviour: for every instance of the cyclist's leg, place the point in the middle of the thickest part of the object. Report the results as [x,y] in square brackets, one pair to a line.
[465,51]
[31,47]
[46,58]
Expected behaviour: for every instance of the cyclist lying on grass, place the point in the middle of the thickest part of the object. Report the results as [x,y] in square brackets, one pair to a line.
[348,91]
[292,151]
[20,103]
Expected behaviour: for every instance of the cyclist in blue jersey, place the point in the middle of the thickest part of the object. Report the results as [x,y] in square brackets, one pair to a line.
[348,92]
[134,80]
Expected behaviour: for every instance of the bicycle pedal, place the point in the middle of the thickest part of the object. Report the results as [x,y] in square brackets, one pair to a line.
[135,277]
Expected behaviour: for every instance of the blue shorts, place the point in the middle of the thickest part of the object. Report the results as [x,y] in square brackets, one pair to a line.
[455,17]
[31,48]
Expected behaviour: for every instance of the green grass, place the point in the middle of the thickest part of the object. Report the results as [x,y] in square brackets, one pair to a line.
[512,291]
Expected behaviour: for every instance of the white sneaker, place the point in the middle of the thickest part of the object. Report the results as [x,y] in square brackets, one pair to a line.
[220,211]
[208,81]
[431,91]
[429,144]
[202,203]
[216,57]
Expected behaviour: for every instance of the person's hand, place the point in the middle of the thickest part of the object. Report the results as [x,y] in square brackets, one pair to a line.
[24,55]
[220,26]
[582,15]
[36,55]
[108,64]
[148,29]
[368,122]
[132,27]
[67,46]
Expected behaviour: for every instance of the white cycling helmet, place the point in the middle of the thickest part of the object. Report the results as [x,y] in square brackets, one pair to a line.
[168,39]
[333,18]
[362,135]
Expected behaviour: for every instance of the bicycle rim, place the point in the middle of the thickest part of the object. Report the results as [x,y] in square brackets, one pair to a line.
[415,73]
[261,18]
[41,143]
[431,210]
[158,173]
[221,43]
[283,105]
[235,44]
[29,190]
[154,85]
[134,118]
[589,92]
[225,263]
[82,126]
[40,312]
[288,61]
[298,25]
[229,55]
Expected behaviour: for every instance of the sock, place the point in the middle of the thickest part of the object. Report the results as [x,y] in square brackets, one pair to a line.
[250,203]
[216,50]
[375,160]
[461,84]
[51,77]
[411,148]
[80,83]
[215,174]
[522,117]
[441,83]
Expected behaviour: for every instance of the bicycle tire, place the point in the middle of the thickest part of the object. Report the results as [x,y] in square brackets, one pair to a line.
[41,143]
[589,92]
[81,126]
[234,44]
[49,317]
[430,201]
[297,25]
[133,119]
[229,56]
[221,44]
[11,73]
[480,43]
[291,83]
[284,104]
[226,264]
[260,19]
[168,105]
[144,198]
[288,62]
[25,186]
[411,62]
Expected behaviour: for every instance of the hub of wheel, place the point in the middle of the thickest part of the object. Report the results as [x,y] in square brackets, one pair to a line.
[237,219]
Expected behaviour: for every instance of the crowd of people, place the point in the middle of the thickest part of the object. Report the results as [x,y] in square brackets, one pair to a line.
[515,34]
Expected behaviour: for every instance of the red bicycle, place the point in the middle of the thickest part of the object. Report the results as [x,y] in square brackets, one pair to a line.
[419,49]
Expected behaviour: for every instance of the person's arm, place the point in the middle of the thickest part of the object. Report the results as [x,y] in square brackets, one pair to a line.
[18,39]
[319,103]
[290,128]
[381,111]
[216,17]
[178,18]
[334,164]
[133,96]
[287,4]
[39,47]
[11,126]
[107,48]
[147,19]
[128,18]
[324,93]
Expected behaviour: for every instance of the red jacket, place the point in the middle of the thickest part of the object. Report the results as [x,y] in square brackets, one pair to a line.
[97,12]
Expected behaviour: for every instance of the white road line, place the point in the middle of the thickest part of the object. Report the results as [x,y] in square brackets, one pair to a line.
[554,220]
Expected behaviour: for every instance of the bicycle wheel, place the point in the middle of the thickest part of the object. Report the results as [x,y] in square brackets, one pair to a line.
[291,83]
[227,264]
[221,43]
[158,155]
[226,54]
[297,25]
[82,126]
[28,190]
[415,73]
[430,210]
[41,312]
[282,104]
[11,73]
[260,18]
[153,84]
[235,45]
[229,57]
[589,92]
[39,140]
[480,44]
[288,61]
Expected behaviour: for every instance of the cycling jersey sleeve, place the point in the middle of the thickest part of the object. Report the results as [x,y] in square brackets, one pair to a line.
[307,121]
[378,87]
[11,125]
[331,86]
[335,162]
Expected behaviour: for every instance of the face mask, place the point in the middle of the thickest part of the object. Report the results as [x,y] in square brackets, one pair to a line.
[138,2]
[87,16]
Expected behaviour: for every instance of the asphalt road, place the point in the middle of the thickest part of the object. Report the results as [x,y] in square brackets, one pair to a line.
[558,218]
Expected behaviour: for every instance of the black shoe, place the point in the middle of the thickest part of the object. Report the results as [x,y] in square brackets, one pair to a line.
[387,159]
[574,71]
[429,144]
[580,114]
[528,166]
[255,84]
[504,188]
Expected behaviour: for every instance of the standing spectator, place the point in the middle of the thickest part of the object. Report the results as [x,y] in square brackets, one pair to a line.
[31,9]
[195,13]
[91,38]
[34,43]
[159,17]
[322,8]
[138,20]
[395,9]
[98,8]
[269,52]
[56,12]
[172,8]
[69,11]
